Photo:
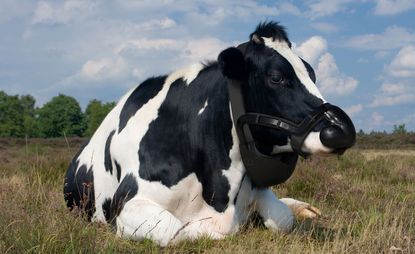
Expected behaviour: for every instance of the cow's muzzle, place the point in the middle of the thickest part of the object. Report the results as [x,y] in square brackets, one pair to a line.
[339,135]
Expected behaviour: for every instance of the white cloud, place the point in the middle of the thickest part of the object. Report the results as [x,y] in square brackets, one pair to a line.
[150,44]
[393,37]
[354,110]
[312,49]
[190,50]
[10,9]
[399,92]
[325,27]
[289,8]
[407,119]
[382,54]
[323,8]
[403,65]
[154,6]
[397,87]
[121,64]
[48,12]
[391,7]
[214,14]
[104,69]
[393,88]
[203,49]
[164,23]
[392,99]
[329,79]
[376,119]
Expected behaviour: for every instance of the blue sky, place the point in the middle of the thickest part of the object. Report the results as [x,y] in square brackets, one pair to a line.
[363,51]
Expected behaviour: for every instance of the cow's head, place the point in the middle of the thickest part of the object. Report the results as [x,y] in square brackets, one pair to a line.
[275,81]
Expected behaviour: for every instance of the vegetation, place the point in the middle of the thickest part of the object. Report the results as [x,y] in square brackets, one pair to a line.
[60,117]
[383,140]
[94,114]
[367,198]
[12,115]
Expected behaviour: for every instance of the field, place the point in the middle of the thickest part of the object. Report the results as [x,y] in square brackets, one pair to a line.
[367,198]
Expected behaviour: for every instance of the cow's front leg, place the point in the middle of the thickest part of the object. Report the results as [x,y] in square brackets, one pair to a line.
[276,215]
[141,219]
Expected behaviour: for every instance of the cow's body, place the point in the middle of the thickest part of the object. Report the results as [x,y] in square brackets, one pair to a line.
[165,164]
[173,147]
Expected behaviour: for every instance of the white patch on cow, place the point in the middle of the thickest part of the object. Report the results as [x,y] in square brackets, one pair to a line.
[152,222]
[188,74]
[312,144]
[237,169]
[276,215]
[181,206]
[203,108]
[300,70]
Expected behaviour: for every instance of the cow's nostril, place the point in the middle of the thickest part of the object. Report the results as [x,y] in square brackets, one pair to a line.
[335,137]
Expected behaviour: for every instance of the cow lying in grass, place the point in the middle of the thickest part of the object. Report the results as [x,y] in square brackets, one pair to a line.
[165,163]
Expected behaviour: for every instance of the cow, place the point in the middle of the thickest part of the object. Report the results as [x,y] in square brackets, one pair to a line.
[165,164]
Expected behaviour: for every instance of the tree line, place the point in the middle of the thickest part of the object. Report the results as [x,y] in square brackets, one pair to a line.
[62,116]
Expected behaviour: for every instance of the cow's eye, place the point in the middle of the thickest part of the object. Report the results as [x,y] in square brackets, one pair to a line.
[276,78]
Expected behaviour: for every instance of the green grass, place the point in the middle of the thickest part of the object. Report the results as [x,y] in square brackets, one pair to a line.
[368,205]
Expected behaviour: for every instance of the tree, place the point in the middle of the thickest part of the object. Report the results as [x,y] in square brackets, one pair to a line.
[62,116]
[399,129]
[29,115]
[95,113]
[11,116]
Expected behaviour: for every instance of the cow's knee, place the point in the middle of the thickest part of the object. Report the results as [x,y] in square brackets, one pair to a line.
[276,215]
[140,219]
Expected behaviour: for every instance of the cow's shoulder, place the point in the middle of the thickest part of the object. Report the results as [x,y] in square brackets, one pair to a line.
[191,134]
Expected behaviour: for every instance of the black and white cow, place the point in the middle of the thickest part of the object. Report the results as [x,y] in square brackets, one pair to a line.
[165,162]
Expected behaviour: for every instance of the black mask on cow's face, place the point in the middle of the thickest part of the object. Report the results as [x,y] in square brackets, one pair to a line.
[276,82]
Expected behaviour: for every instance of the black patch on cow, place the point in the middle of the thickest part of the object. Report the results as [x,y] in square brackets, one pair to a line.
[107,158]
[78,187]
[118,168]
[140,96]
[106,206]
[127,189]
[310,71]
[180,141]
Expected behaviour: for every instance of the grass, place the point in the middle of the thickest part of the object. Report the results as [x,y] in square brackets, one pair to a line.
[367,197]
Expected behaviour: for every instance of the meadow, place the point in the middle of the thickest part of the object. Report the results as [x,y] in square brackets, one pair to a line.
[367,197]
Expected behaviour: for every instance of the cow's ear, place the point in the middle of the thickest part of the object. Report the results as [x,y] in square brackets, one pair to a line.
[232,63]
[257,40]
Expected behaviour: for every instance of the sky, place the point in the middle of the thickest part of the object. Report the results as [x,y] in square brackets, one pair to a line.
[363,51]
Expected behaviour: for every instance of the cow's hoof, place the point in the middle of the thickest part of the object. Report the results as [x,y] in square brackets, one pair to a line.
[306,212]
[301,210]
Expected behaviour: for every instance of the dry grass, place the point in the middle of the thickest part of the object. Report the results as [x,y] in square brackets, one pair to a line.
[368,205]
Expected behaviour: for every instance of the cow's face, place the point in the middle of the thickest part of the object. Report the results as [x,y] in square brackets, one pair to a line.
[279,83]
